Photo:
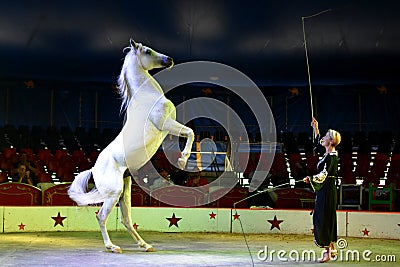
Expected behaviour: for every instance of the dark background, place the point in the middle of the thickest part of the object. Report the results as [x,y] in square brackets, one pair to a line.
[59,60]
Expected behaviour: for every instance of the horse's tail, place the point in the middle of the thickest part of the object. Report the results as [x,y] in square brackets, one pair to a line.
[78,191]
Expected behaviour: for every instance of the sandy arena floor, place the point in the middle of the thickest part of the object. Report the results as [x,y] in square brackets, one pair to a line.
[186,249]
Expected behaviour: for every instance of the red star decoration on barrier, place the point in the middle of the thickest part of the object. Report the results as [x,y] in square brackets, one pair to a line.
[275,223]
[135,226]
[212,215]
[236,216]
[21,226]
[58,220]
[365,232]
[173,220]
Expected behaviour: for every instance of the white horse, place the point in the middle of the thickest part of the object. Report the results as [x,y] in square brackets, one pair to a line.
[150,117]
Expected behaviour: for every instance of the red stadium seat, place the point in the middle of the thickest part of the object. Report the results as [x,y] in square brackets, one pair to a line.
[7,166]
[289,198]
[53,165]
[57,196]
[27,151]
[362,166]
[93,156]
[139,197]
[44,178]
[17,194]
[3,177]
[394,170]
[65,174]
[177,196]
[78,156]
[60,153]
[346,169]
[229,197]
[9,152]
[45,155]
[378,168]
[295,164]
[311,163]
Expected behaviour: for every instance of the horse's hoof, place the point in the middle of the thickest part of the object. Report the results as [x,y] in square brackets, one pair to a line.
[115,249]
[149,248]
[182,163]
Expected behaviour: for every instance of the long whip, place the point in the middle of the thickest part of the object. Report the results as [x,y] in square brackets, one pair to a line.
[307,61]
[240,221]
[263,191]
[306,51]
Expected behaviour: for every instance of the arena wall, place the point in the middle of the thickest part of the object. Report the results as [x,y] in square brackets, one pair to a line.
[170,219]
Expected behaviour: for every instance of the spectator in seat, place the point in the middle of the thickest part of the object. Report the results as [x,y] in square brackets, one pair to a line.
[22,175]
[161,180]
[196,180]
[30,166]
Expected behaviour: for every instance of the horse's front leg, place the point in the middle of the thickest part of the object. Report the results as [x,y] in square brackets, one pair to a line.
[178,129]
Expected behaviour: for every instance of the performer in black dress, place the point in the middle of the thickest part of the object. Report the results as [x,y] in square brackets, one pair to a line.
[324,185]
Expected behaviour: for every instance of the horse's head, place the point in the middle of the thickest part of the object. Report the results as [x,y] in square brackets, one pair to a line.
[148,58]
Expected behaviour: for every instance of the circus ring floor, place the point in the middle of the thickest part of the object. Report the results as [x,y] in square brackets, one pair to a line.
[184,249]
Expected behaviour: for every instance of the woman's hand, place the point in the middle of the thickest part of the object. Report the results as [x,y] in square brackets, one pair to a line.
[306,180]
[314,124]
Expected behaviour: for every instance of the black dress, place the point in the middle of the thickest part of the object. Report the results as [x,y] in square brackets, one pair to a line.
[324,185]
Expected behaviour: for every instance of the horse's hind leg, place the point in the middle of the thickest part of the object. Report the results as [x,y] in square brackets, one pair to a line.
[126,220]
[102,217]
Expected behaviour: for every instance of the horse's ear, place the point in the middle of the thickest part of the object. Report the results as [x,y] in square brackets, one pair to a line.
[133,43]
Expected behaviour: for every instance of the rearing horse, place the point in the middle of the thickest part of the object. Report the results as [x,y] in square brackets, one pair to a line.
[150,117]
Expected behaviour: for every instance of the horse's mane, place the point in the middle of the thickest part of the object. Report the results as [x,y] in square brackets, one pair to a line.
[123,92]
[123,86]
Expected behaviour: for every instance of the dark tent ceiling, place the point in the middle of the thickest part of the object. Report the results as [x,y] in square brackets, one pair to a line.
[356,41]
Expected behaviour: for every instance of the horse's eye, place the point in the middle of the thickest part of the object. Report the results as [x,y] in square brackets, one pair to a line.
[148,52]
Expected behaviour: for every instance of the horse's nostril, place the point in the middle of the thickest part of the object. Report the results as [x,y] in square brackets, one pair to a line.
[169,61]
